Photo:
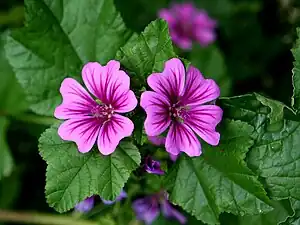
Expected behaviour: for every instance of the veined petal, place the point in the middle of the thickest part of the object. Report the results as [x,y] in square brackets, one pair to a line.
[119,95]
[110,85]
[95,78]
[150,98]
[77,103]
[203,120]
[126,102]
[157,109]
[199,90]
[170,82]
[83,131]
[112,132]
[157,121]
[181,138]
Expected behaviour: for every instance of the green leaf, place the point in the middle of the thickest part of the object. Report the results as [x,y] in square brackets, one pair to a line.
[295,219]
[12,100]
[276,108]
[275,156]
[219,180]
[210,62]
[148,52]
[73,176]
[6,161]
[296,73]
[59,37]
[281,211]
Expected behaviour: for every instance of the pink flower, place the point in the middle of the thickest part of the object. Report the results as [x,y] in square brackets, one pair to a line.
[179,102]
[88,119]
[188,24]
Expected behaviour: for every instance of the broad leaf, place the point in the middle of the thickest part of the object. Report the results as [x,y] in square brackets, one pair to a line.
[59,37]
[210,62]
[12,100]
[282,210]
[148,52]
[275,156]
[73,176]
[296,74]
[219,180]
[6,161]
[295,219]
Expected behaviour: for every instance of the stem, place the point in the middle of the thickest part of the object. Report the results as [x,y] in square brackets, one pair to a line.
[37,218]
[32,118]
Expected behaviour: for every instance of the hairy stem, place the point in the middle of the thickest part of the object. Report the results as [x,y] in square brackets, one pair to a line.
[37,218]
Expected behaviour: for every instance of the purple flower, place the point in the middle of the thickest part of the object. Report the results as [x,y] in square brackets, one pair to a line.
[147,209]
[179,102]
[88,119]
[152,166]
[85,205]
[122,195]
[188,24]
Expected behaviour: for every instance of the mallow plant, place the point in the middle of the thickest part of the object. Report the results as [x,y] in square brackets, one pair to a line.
[135,125]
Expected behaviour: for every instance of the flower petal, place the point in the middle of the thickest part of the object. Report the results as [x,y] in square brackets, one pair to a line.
[122,195]
[146,209]
[85,205]
[199,90]
[170,212]
[83,131]
[150,98]
[112,132]
[181,138]
[203,121]
[77,103]
[95,78]
[110,85]
[157,109]
[170,82]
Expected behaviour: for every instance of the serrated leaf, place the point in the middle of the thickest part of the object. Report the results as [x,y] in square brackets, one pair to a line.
[295,218]
[210,62]
[73,176]
[6,161]
[59,37]
[296,73]
[219,180]
[275,156]
[281,211]
[149,51]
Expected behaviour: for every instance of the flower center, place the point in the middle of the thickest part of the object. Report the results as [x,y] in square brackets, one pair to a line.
[103,111]
[178,113]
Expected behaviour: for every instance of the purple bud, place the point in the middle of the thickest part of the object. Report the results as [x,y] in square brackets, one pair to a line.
[170,212]
[152,166]
[122,195]
[85,205]
[146,209]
